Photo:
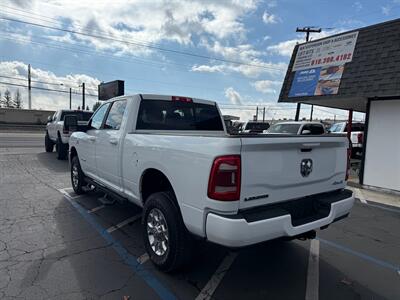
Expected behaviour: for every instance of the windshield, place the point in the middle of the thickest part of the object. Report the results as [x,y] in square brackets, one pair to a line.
[338,127]
[284,128]
[256,126]
[81,115]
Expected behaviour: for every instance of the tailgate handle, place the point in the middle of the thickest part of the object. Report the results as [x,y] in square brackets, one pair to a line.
[311,144]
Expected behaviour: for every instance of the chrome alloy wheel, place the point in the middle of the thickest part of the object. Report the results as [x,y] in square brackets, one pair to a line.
[75,175]
[157,232]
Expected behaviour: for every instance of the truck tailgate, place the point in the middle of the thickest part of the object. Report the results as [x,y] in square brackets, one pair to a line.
[276,169]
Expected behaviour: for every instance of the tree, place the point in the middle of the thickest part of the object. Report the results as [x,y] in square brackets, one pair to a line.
[17,99]
[87,107]
[96,106]
[1,101]
[8,102]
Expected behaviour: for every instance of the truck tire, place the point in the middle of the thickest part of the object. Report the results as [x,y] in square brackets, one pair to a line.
[166,239]
[62,149]
[48,143]
[77,176]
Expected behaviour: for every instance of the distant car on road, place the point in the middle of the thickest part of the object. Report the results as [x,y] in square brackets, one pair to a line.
[298,128]
[56,135]
[254,127]
[356,137]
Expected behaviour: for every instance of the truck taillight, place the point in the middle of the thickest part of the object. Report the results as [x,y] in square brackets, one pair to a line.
[360,137]
[224,182]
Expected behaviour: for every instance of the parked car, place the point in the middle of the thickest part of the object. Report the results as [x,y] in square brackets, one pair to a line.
[172,156]
[356,137]
[254,127]
[55,135]
[299,128]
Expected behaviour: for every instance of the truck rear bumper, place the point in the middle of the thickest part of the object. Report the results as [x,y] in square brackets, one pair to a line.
[247,228]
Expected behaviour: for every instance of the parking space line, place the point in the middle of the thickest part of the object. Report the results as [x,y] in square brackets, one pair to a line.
[64,191]
[124,223]
[143,258]
[90,211]
[209,289]
[128,258]
[371,259]
[312,289]
[361,196]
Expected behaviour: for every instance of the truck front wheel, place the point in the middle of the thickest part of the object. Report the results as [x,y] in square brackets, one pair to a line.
[77,176]
[165,237]
[62,149]
[48,143]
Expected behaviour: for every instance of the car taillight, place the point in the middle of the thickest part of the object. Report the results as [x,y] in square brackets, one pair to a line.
[360,137]
[224,182]
[348,164]
[182,99]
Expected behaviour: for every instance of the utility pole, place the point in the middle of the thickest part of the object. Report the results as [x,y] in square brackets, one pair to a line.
[83,96]
[264,114]
[257,113]
[307,30]
[70,98]
[29,87]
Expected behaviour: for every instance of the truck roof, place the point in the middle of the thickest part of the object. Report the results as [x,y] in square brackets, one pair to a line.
[299,122]
[165,97]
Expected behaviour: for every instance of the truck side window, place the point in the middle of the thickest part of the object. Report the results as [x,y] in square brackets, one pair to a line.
[98,117]
[115,114]
[316,129]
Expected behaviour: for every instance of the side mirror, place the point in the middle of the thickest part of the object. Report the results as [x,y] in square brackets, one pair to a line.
[306,132]
[70,124]
[49,119]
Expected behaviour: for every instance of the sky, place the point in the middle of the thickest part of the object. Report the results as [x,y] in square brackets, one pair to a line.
[235,52]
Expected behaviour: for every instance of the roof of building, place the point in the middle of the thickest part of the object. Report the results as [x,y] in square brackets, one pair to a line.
[374,71]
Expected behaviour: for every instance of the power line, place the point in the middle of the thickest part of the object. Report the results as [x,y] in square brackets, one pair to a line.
[44,89]
[104,37]
[45,82]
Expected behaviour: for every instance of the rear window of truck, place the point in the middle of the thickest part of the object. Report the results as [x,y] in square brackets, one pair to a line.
[177,115]
[81,115]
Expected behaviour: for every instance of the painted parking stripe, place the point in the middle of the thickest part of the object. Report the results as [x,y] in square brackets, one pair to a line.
[143,258]
[361,196]
[124,223]
[371,259]
[209,289]
[90,211]
[129,259]
[312,289]
[64,192]
[383,207]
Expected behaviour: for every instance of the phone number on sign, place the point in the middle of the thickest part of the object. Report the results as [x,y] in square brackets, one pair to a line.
[330,59]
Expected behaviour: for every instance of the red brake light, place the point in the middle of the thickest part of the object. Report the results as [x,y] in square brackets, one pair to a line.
[224,182]
[182,99]
[360,137]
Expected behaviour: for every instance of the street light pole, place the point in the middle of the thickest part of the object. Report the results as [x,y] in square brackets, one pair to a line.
[70,98]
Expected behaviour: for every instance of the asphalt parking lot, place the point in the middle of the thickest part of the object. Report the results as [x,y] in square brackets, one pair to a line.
[56,245]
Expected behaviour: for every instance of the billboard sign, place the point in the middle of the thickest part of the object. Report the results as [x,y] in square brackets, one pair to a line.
[317,81]
[108,90]
[332,51]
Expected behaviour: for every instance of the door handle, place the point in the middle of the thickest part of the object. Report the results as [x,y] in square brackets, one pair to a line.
[113,141]
[92,138]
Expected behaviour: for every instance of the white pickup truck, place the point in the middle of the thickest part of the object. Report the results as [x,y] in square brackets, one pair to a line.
[172,156]
[56,135]
[356,137]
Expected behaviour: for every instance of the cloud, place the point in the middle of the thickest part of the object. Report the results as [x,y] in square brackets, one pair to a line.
[269,18]
[267,86]
[233,96]
[47,80]
[285,48]
[252,63]
[149,22]
[357,6]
